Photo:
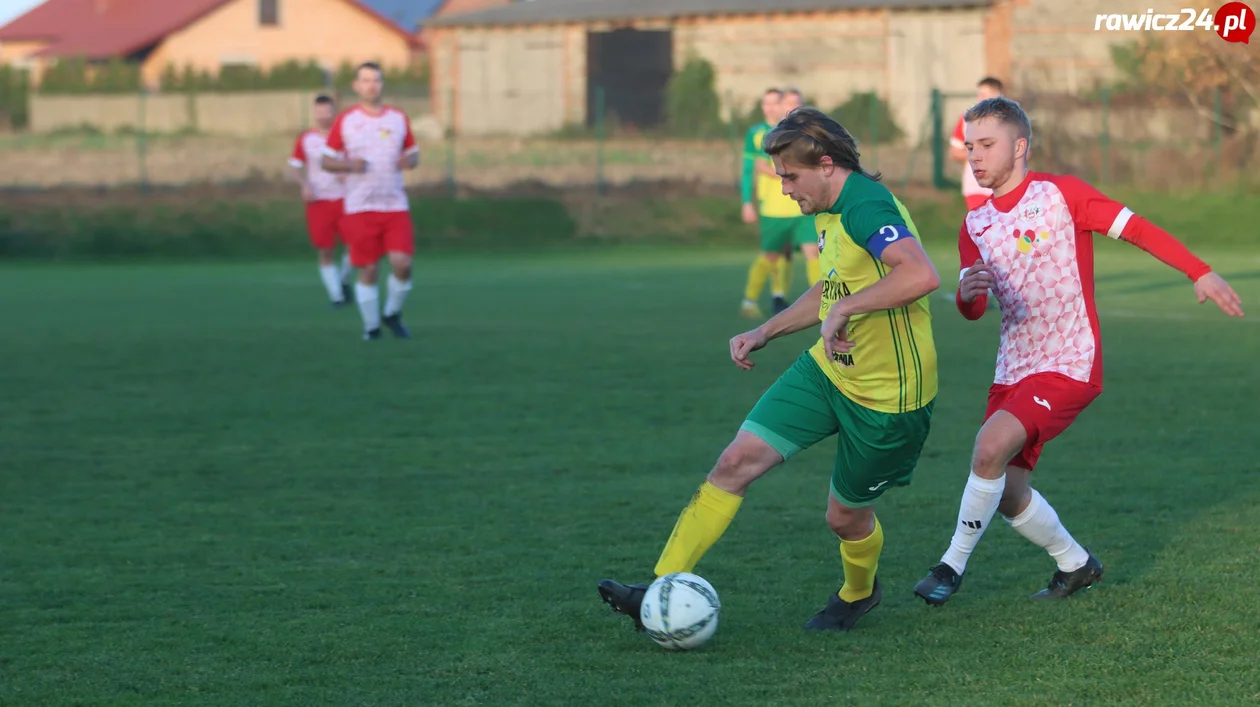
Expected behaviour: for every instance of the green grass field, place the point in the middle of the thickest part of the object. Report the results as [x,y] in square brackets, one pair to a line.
[215,493]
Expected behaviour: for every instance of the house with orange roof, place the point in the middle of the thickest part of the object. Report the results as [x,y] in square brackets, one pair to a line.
[206,34]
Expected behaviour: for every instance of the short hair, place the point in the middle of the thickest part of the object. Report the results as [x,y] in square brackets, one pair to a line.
[807,135]
[792,91]
[771,91]
[324,99]
[991,82]
[1006,111]
[368,65]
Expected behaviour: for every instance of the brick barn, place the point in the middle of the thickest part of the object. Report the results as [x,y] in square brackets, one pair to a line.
[529,67]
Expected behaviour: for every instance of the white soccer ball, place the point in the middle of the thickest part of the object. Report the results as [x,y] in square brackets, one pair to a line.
[680,611]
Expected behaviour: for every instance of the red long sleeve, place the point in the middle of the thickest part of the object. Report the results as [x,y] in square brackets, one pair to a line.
[1094,211]
[1163,246]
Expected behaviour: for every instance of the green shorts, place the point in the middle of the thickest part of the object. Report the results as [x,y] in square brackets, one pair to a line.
[876,449]
[778,233]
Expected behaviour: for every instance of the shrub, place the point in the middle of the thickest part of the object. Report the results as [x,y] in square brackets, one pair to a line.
[867,117]
[692,107]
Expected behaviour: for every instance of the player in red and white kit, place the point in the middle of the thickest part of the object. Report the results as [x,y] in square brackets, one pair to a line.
[323,193]
[1031,245]
[372,144]
[972,192]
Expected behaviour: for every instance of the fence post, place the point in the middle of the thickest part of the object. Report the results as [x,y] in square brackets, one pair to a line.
[732,136]
[1105,138]
[450,142]
[1216,131]
[873,118]
[141,141]
[938,140]
[599,140]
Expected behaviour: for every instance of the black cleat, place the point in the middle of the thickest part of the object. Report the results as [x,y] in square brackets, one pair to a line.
[940,584]
[395,325]
[1065,584]
[840,615]
[780,304]
[624,598]
[347,293]
[372,335]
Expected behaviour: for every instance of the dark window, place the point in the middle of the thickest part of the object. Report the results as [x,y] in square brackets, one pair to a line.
[269,13]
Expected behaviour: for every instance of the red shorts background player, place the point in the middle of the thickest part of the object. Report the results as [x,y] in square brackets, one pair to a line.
[1031,244]
[371,144]
[323,192]
[972,192]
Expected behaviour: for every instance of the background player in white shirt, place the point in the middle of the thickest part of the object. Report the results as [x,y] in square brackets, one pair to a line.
[972,192]
[371,144]
[324,194]
[1031,244]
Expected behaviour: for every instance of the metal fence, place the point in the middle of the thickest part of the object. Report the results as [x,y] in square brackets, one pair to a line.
[1146,141]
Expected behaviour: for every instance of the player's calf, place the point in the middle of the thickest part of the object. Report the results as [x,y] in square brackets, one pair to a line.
[331,277]
[397,285]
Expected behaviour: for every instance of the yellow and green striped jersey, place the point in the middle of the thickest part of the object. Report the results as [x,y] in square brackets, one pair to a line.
[769,190]
[892,366]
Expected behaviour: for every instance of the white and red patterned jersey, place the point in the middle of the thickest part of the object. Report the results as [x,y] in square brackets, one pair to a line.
[381,140]
[1037,242]
[325,186]
[970,187]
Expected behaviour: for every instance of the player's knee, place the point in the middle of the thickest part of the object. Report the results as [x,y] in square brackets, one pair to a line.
[738,466]
[989,459]
[400,265]
[849,523]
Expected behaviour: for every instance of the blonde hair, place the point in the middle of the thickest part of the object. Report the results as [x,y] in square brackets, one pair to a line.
[807,135]
[1006,111]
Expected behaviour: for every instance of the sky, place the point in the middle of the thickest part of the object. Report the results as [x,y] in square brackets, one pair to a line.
[12,8]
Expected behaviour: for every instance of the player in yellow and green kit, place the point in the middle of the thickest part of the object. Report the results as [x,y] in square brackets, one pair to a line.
[783,227]
[870,378]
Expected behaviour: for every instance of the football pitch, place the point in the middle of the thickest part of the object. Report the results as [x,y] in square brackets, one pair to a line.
[215,493]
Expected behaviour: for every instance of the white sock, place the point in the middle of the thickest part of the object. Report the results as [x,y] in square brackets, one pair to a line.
[1040,524]
[368,299]
[347,270]
[979,503]
[332,282]
[396,294]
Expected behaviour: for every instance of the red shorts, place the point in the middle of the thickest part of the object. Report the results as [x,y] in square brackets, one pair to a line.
[372,234]
[975,201]
[1046,404]
[323,219]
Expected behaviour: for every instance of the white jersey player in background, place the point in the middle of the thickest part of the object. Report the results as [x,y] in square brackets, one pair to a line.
[324,195]
[371,144]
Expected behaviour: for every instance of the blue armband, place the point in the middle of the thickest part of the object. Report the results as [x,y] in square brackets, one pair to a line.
[886,236]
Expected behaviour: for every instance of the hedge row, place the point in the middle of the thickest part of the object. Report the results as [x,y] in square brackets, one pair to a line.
[78,76]
[271,227]
[188,225]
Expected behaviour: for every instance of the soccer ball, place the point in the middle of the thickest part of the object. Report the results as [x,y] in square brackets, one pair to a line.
[680,611]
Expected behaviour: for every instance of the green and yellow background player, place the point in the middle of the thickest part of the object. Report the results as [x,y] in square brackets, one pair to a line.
[870,379]
[783,227]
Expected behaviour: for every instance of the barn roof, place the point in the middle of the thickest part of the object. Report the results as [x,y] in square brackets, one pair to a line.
[552,11]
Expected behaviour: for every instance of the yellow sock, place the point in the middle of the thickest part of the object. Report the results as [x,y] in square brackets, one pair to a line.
[781,282]
[813,270]
[700,525]
[757,274]
[861,559]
